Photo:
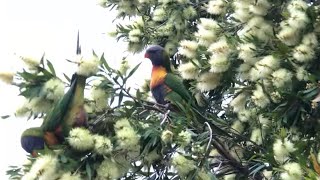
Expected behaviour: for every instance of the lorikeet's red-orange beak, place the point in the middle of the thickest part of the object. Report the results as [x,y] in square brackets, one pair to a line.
[34,154]
[146,55]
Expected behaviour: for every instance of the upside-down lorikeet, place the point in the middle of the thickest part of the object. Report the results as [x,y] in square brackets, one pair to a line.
[69,112]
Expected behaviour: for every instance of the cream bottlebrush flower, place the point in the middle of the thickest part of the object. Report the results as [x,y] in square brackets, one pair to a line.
[151,157]
[318,157]
[109,169]
[183,165]
[237,127]
[264,67]
[102,3]
[171,47]
[88,66]
[295,5]
[45,167]
[188,48]
[23,109]
[208,81]
[54,89]
[128,139]
[241,11]
[229,177]
[310,40]
[122,123]
[7,77]
[247,52]
[244,71]
[244,115]
[31,62]
[69,176]
[189,70]
[167,136]
[281,78]
[102,145]
[239,102]
[159,14]
[219,63]
[298,19]
[293,171]
[267,174]
[259,97]
[281,149]
[288,35]
[124,66]
[184,138]
[81,139]
[303,53]
[260,28]
[39,105]
[260,7]
[257,135]
[216,7]
[207,31]
[302,74]
[208,24]
[189,12]
[220,47]
[134,35]
[165,29]
[100,98]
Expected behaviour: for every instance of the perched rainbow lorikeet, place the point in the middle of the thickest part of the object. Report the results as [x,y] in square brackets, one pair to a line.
[68,113]
[166,86]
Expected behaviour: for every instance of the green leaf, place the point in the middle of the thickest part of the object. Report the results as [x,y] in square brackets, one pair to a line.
[133,71]
[88,170]
[5,116]
[51,68]
[120,98]
[67,78]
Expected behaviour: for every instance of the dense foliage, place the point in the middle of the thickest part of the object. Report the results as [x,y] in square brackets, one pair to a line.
[255,62]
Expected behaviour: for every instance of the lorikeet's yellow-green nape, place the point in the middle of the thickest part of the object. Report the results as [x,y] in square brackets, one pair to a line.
[68,112]
[164,85]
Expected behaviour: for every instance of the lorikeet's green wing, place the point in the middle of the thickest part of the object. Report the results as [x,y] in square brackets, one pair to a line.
[178,90]
[57,114]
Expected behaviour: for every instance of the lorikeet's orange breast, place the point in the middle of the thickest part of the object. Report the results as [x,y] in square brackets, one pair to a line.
[157,76]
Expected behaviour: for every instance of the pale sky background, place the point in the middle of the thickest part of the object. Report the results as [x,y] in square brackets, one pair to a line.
[34,27]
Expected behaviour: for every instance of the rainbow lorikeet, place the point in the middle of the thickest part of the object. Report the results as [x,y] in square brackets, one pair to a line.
[69,112]
[164,85]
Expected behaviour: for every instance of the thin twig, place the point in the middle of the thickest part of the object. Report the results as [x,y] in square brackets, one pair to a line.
[208,145]
[166,115]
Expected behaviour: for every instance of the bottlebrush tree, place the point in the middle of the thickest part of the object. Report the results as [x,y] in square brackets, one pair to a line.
[254,61]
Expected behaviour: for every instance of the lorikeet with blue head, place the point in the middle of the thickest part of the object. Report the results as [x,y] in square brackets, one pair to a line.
[167,87]
[68,113]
